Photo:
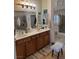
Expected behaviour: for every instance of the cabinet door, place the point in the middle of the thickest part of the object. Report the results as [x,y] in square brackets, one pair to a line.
[40,41]
[46,38]
[30,46]
[20,49]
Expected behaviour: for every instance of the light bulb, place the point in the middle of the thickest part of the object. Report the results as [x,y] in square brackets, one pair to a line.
[33,5]
[30,4]
[26,3]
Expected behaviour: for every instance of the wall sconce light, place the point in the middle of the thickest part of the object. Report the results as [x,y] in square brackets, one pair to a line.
[26,3]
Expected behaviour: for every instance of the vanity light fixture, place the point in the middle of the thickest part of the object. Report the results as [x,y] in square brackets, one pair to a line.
[26,4]
[22,6]
[21,3]
[34,6]
[30,5]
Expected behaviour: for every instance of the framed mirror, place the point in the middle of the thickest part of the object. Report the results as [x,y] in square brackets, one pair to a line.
[20,22]
[31,17]
[44,18]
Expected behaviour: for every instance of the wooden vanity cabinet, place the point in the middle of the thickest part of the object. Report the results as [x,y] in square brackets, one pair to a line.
[31,44]
[20,49]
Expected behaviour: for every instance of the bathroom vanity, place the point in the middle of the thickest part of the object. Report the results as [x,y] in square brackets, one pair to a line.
[30,43]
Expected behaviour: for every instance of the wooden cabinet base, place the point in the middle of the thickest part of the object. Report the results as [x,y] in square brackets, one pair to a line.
[30,45]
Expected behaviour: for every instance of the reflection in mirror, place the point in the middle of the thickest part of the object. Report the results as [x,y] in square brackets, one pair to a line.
[33,21]
[45,16]
[39,20]
[44,19]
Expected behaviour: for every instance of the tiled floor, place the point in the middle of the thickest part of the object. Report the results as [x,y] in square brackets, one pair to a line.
[41,54]
[54,57]
[49,56]
[45,53]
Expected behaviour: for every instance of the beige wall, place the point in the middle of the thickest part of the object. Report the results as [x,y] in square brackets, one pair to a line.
[50,14]
[38,4]
[44,4]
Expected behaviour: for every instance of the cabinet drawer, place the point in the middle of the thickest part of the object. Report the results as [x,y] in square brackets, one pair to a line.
[46,40]
[40,42]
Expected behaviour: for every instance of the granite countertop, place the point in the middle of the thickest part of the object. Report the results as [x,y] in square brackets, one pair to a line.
[34,32]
